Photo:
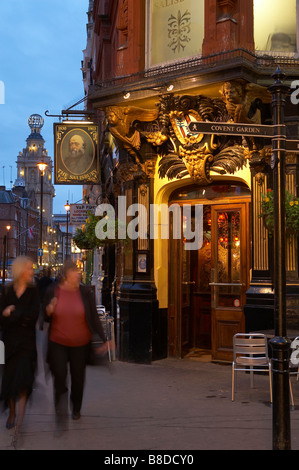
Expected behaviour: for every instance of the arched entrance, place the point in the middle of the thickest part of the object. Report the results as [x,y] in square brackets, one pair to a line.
[207,286]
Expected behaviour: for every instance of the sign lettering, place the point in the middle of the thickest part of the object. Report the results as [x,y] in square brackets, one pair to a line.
[79,213]
[253,130]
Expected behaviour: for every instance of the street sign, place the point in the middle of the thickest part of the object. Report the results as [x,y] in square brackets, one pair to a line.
[253,130]
[40,252]
[292,146]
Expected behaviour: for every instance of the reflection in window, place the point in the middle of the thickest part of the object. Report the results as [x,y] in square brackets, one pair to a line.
[275,25]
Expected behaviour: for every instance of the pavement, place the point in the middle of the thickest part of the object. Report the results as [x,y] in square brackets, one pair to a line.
[171,405]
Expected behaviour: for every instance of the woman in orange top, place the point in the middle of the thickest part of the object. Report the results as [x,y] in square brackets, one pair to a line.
[72,311]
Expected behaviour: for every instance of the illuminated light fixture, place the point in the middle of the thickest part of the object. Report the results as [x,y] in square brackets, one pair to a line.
[166,86]
[42,166]
[67,206]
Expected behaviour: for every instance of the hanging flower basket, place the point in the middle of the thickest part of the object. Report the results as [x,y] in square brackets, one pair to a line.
[81,240]
[291,210]
[86,237]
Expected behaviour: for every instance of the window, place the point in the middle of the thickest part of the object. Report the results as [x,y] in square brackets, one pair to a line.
[275,26]
[175,30]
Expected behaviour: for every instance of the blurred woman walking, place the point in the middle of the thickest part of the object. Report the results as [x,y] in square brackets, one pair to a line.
[71,309]
[19,310]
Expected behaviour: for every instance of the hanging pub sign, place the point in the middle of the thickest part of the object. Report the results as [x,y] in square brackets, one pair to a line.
[76,153]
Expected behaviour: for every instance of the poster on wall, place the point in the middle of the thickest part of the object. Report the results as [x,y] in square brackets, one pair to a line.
[76,149]
[79,213]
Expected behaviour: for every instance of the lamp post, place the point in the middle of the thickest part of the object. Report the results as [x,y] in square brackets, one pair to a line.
[42,167]
[8,227]
[280,343]
[67,208]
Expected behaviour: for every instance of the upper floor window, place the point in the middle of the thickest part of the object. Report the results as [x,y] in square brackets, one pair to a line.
[175,30]
[275,28]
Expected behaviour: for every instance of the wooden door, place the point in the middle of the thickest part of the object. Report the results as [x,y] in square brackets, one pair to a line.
[229,275]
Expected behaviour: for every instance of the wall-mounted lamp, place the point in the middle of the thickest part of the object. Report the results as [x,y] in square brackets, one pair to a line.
[166,86]
[170,87]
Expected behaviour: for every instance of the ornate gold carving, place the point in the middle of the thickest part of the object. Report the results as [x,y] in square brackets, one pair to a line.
[143,189]
[149,168]
[126,172]
[156,138]
[259,161]
[196,164]
[178,121]
[186,153]
[239,98]
[120,122]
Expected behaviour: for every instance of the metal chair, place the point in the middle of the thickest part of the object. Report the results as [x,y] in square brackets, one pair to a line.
[294,365]
[108,325]
[250,355]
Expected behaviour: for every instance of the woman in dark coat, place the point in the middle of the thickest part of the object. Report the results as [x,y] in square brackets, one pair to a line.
[71,309]
[19,309]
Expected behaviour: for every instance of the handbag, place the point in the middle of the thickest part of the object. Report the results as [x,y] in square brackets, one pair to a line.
[94,356]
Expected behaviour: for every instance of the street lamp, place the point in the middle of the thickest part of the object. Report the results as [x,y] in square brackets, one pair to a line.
[42,167]
[280,343]
[8,227]
[67,208]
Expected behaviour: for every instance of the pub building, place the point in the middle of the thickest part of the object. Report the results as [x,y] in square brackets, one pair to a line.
[151,70]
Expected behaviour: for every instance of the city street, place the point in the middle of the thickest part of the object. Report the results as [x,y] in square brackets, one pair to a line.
[150,152]
[169,405]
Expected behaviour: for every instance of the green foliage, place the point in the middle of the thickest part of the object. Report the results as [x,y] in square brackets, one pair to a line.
[291,209]
[86,236]
[81,240]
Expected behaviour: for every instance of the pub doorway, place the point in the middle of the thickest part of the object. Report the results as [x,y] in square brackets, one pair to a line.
[207,286]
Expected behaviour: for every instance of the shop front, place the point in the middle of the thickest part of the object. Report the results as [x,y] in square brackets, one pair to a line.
[175,295]
[207,285]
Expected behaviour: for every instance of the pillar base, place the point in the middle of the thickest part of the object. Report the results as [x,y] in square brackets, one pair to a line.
[259,308]
[138,307]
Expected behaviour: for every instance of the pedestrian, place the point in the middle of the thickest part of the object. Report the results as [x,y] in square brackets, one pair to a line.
[43,283]
[71,309]
[19,309]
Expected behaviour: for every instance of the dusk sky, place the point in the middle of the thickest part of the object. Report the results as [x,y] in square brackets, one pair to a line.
[41,44]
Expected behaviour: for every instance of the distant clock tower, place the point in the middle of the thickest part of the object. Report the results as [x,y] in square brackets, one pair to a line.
[27,168]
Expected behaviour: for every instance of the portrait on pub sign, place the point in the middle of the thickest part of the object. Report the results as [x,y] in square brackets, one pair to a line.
[76,153]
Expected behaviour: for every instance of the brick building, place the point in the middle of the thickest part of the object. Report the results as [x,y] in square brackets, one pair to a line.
[150,69]
[19,223]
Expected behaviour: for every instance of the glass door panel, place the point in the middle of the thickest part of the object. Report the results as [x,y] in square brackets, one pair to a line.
[228,259]
[229,273]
